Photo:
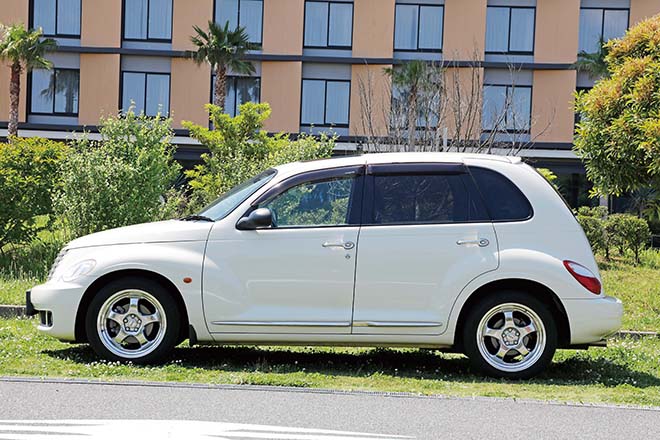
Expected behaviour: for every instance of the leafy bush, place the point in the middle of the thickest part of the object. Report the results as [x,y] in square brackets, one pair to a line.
[29,171]
[635,233]
[239,148]
[122,179]
[593,229]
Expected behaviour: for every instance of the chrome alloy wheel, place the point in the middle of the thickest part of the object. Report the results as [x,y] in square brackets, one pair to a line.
[131,323]
[511,337]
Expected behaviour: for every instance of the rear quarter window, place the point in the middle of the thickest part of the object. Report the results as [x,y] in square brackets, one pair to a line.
[504,200]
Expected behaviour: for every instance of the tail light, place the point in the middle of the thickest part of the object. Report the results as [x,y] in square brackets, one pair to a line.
[583,276]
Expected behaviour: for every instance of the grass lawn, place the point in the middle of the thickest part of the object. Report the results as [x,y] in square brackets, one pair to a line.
[12,290]
[627,372]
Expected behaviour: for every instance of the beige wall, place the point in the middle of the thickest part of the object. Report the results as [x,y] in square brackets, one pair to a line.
[465,29]
[468,94]
[101,23]
[370,100]
[557,28]
[641,9]
[13,11]
[281,88]
[283,26]
[186,14]
[373,28]
[191,90]
[99,87]
[552,106]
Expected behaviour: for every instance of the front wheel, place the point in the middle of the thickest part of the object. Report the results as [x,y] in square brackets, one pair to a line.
[510,335]
[132,319]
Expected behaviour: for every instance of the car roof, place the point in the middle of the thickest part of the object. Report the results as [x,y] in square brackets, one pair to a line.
[384,158]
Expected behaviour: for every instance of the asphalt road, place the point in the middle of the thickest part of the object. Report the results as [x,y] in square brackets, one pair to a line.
[31,409]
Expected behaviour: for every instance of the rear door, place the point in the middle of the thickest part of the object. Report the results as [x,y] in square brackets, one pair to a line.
[425,235]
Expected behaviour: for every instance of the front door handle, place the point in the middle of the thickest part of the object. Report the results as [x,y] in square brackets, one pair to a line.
[481,242]
[346,245]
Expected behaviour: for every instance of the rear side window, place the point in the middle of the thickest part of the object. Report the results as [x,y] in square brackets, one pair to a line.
[504,201]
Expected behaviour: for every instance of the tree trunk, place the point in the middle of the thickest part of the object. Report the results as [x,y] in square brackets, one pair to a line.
[220,87]
[14,96]
[412,119]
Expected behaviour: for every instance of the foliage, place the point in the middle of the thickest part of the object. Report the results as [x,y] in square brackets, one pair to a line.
[591,220]
[549,176]
[635,234]
[239,149]
[25,47]
[619,133]
[594,63]
[29,171]
[122,179]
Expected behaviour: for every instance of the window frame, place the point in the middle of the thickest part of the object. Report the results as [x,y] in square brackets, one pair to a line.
[53,72]
[233,79]
[56,34]
[508,41]
[419,9]
[144,110]
[238,19]
[469,169]
[531,106]
[325,103]
[602,19]
[329,46]
[149,40]
[355,204]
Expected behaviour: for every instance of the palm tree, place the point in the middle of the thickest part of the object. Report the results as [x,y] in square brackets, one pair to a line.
[25,50]
[223,49]
[594,63]
[409,78]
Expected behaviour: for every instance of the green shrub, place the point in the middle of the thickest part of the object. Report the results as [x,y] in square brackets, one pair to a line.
[594,230]
[121,180]
[635,234]
[29,171]
[239,148]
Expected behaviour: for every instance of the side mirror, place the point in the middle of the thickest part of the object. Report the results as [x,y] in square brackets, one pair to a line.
[259,218]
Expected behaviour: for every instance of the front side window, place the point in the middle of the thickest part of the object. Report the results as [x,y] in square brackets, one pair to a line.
[510,30]
[328,24]
[244,13]
[418,27]
[55,92]
[57,18]
[317,203]
[598,24]
[239,91]
[148,20]
[507,108]
[148,92]
[325,102]
[503,199]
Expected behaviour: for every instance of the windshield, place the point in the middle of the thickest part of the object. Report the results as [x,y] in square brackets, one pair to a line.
[227,202]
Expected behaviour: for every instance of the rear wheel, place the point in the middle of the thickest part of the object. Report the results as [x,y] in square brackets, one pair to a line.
[133,319]
[511,335]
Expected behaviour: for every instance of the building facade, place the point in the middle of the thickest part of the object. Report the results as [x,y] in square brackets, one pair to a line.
[311,58]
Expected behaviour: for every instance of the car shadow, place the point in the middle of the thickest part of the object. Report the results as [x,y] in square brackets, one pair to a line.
[416,364]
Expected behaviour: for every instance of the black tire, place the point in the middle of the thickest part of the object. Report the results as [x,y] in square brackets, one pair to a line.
[471,335]
[166,339]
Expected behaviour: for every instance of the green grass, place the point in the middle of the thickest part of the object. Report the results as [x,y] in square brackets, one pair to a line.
[12,290]
[628,372]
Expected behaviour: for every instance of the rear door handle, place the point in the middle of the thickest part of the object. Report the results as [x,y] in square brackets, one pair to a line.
[481,242]
[346,245]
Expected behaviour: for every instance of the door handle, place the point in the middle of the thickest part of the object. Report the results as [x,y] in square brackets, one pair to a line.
[341,244]
[481,242]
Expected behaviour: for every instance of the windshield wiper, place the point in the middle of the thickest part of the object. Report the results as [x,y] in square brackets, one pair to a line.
[197,217]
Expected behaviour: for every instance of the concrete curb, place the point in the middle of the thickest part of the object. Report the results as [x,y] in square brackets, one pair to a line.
[19,311]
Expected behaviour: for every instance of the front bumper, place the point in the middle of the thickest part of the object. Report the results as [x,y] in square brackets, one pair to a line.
[592,320]
[60,301]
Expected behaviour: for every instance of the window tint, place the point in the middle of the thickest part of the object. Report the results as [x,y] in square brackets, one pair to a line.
[322,203]
[150,92]
[503,199]
[325,103]
[328,24]
[60,18]
[510,30]
[400,199]
[599,23]
[55,92]
[507,108]
[245,13]
[418,27]
[148,20]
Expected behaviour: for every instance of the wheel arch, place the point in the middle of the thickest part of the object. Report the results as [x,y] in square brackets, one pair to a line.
[80,333]
[534,288]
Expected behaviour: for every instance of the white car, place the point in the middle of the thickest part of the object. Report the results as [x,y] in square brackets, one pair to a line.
[472,253]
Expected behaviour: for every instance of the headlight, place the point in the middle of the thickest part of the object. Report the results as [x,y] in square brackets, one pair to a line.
[79,270]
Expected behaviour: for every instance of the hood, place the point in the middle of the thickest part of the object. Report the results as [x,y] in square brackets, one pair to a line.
[157,232]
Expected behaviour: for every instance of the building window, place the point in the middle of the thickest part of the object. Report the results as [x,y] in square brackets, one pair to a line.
[510,30]
[149,20]
[54,92]
[328,24]
[507,108]
[57,18]
[325,102]
[598,24]
[240,89]
[245,13]
[418,28]
[148,92]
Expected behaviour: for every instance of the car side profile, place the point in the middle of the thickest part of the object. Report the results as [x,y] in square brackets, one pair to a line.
[470,253]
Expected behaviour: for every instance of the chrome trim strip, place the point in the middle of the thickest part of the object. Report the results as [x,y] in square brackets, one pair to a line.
[395,324]
[284,323]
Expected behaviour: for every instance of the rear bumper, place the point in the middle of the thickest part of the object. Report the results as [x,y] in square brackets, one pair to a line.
[62,301]
[593,320]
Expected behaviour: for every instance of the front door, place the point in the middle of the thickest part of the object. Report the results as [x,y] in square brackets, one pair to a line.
[296,276]
[425,236]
